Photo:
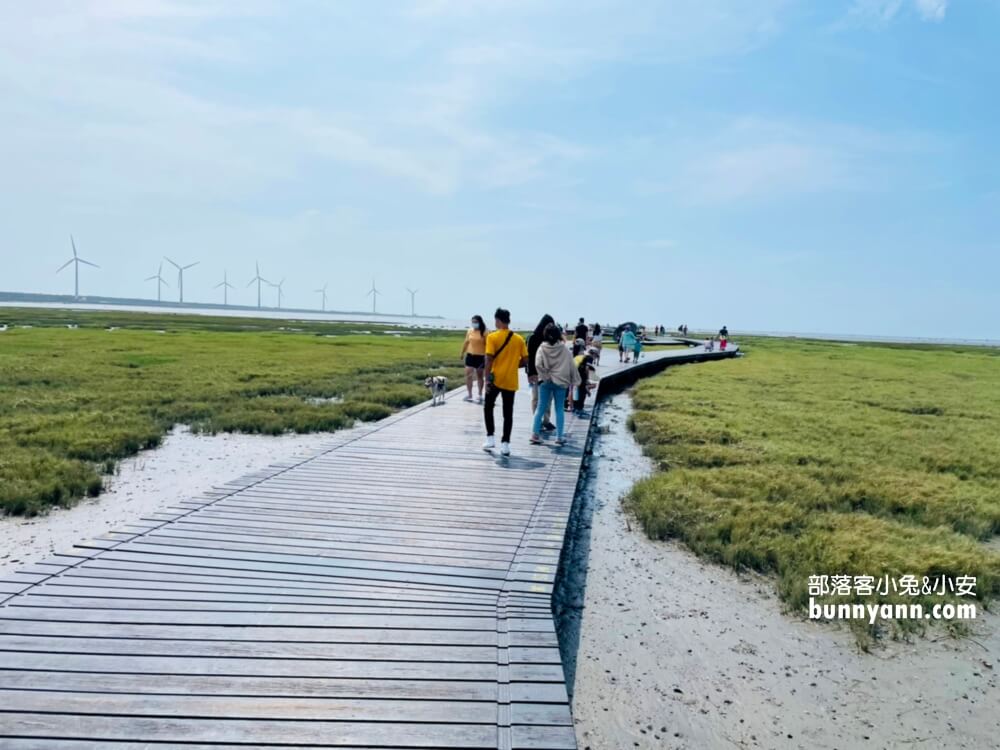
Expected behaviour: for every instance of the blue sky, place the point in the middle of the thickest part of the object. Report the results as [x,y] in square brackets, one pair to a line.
[772,165]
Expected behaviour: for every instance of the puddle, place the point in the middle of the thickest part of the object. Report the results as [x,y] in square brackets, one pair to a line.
[320,400]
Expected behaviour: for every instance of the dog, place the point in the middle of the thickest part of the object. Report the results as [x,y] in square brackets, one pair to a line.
[438,386]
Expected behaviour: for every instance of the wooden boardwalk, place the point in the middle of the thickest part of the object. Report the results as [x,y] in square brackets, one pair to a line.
[391,591]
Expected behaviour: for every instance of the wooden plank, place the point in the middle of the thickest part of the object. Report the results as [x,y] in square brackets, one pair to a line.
[250,732]
[259,649]
[286,687]
[218,603]
[71,628]
[217,617]
[229,708]
[181,593]
[143,569]
[300,668]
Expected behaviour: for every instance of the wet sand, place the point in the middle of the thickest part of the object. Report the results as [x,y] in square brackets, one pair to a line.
[677,653]
[183,466]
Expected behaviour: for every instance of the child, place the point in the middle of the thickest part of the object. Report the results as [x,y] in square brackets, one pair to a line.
[709,344]
[585,366]
[637,347]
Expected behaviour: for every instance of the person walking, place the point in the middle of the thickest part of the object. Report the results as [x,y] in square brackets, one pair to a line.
[474,353]
[506,353]
[628,340]
[584,364]
[582,331]
[637,348]
[597,342]
[534,342]
[557,374]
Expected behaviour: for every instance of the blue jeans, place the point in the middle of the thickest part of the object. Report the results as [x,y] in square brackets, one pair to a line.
[547,393]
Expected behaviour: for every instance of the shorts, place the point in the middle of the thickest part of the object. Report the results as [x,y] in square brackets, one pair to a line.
[475,361]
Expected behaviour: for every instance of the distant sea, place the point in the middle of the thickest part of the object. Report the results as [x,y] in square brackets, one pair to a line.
[457,324]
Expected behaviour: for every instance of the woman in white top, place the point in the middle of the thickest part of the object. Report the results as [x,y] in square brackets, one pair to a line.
[557,373]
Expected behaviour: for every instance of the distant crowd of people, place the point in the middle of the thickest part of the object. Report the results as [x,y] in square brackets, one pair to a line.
[561,364]
[722,339]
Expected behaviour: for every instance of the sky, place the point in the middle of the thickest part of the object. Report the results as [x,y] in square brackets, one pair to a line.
[824,166]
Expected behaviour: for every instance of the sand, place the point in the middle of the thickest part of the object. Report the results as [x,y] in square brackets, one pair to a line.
[678,653]
[183,466]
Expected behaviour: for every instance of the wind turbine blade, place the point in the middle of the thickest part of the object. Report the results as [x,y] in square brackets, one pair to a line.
[65,264]
[218,285]
[72,242]
[81,260]
[252,282]
[151,278]
[191,265]
[171,263]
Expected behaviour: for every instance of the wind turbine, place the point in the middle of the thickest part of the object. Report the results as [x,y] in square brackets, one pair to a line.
[226,286]
[413,301]
[180,274]
[160,281]
[280,291]
[323,292]
[258,279]
[374,295]
[76,260]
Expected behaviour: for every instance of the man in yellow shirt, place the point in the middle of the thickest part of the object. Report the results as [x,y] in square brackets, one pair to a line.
[506,353]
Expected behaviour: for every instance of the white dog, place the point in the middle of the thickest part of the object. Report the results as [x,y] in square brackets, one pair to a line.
[438,386]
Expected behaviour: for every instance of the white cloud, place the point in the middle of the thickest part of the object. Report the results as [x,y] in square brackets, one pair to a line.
[751,160]
[932,10]
[881,12]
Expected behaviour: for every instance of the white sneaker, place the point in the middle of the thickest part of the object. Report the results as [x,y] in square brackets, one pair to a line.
[468,398]
[480,399]
[504,449]
[490,443]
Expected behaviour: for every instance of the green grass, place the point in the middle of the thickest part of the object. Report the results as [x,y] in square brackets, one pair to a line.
[822,458]
[74,401]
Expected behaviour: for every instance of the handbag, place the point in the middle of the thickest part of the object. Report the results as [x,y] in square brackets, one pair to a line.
[510,335]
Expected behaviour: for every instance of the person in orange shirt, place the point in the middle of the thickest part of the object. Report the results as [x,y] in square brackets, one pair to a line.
[474,354]
[506,353]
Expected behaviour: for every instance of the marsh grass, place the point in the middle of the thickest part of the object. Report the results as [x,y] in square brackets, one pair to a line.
[821,458]
[75,401]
